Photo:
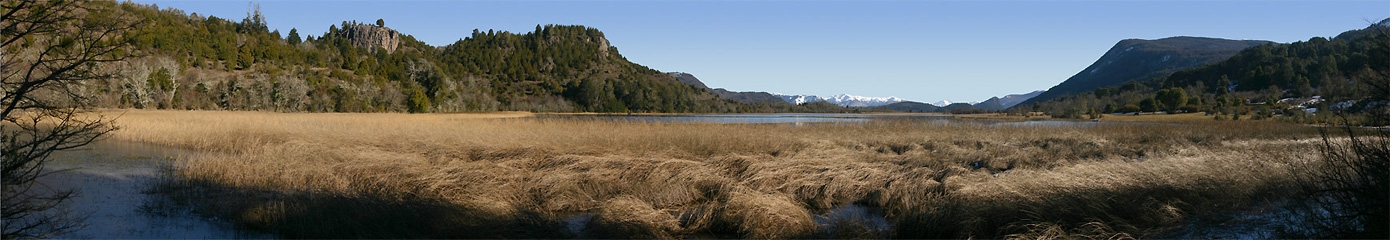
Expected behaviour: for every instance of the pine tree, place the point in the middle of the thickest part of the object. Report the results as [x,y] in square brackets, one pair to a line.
[293,39]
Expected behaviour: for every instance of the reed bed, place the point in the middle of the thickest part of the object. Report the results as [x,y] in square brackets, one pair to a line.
[498,176]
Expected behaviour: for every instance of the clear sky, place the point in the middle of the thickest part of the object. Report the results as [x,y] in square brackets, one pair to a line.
[919,50]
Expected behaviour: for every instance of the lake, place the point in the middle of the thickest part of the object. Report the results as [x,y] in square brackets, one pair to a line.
[755,118]
[111,180]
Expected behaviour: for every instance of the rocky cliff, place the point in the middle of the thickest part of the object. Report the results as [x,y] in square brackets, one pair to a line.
[371,37]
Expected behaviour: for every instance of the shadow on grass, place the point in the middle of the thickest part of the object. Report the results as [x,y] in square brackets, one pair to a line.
[310,215]
[1138,212]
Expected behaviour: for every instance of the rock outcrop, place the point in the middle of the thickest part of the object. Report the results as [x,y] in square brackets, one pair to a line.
[372,37]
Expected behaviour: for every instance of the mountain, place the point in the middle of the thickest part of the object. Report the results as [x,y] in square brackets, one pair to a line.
[1137,59]
[841,100]
[1008,101]
[746,97]
[798,99]
[942,103]
[860,101]
[907,106]
[743,97]
[1252,81]
[688,79]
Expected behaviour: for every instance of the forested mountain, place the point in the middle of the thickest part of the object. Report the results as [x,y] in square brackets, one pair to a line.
[1137,59]
[1263,80]
[907,106]
[688,79]
[206,62]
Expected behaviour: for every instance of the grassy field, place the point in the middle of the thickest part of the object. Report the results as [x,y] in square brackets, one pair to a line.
[497,176]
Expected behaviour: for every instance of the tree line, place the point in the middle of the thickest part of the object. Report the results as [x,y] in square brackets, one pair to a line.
[206,62]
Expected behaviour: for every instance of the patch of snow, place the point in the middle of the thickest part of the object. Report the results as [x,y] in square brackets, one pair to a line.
[841,99]
[942,103]
[1343,104]
[1166,57]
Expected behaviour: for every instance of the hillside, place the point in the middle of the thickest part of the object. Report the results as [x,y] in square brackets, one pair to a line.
[688,79]
[192,61]
[743,97]
[1137,59]
[906,106]
[1260,80]
[1008,101]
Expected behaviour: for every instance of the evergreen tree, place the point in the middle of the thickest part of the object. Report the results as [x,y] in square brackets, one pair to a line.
[293,39]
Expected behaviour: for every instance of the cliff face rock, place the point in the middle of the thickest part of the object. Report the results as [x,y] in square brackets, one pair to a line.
[371,37]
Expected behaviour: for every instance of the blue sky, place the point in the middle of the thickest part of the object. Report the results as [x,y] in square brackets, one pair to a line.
[919,50]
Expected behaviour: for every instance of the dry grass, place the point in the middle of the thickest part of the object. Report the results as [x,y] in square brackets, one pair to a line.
[1171,118]
[1004,117]
[465,175]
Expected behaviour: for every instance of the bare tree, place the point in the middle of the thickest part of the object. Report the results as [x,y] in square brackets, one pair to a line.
[1347,194]
[50,50]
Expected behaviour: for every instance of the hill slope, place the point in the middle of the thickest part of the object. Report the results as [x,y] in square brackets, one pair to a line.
[205,62]
[1260,80]
[907,106]
[1008,101]
[1136,59]
[743,97]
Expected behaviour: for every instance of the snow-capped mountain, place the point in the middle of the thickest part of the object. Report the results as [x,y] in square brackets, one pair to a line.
[798,99]
[942,103]
[861,101]
[841,99]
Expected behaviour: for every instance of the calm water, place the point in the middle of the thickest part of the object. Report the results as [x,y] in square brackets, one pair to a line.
[789,118]
[111,180]
[804,118]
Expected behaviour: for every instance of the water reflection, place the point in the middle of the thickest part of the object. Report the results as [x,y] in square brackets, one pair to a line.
[111,179]
[776,118]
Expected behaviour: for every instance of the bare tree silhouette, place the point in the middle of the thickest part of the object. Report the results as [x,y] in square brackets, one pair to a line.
[50,49]
[1347,194]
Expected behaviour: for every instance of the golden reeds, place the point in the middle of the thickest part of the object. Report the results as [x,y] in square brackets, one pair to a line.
[663,180]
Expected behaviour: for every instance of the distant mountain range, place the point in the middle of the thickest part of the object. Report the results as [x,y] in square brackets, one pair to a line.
[841,99]
[908,106]
[1008,101]
[844,100]
[1137,59]
[744,97]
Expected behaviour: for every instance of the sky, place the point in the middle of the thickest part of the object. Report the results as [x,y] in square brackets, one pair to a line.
[923,51]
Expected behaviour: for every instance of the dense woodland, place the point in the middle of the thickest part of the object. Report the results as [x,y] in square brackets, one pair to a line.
[191,61]
[1260,82]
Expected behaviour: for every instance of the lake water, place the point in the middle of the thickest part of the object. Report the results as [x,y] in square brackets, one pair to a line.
[805,118]
[111,180]
[760,118]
